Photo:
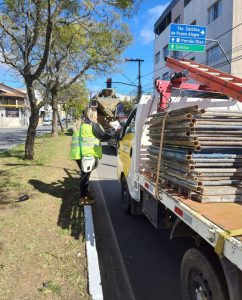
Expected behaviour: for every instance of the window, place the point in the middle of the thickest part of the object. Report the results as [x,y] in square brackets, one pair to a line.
[157,57]
[194,22]
[166,76]
[176,54]
[186,2]
[161,26]
[165,51]
[130,124]
[214,11]
[177,20]
[12,112]
[213,54]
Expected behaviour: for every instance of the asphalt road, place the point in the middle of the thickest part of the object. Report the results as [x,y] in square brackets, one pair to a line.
[11,137]
[149,262]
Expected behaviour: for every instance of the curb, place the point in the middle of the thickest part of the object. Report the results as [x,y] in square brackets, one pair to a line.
[117,275]
[94,277]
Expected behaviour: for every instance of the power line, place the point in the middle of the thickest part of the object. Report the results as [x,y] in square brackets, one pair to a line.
[139,61]
[127,78]
[214,66]
[219,57]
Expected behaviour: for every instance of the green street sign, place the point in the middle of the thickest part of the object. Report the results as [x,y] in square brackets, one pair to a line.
[186,47]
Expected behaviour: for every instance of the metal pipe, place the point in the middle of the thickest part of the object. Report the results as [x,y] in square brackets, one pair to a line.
[218,198]
[215,160]
[222,143]
[218,164]
[221,191]
[181,183]
[216,174]
[218,170]
[221,182]
[218,127]
[178,111]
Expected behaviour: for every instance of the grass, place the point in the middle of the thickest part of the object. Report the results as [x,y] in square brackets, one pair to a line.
[50,287]
[42,247]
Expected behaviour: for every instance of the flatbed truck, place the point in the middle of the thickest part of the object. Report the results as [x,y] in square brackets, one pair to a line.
[212,268]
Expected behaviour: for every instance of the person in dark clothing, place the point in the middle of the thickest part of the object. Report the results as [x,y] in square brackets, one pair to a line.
[91,134]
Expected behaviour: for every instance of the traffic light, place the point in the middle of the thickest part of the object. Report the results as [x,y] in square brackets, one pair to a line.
[109,83]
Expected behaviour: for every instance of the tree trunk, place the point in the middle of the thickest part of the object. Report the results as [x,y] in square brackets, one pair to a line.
[59,119]
[55,113]
[33,123]
[66,119]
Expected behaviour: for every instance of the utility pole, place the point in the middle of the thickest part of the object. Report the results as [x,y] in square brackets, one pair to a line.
[139,61]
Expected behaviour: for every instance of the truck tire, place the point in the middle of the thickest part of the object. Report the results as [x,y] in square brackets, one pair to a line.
[125,195]
[130,206]
[199,278]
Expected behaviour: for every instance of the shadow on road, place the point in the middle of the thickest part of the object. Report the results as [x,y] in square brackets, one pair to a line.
[70,214]
[109,150]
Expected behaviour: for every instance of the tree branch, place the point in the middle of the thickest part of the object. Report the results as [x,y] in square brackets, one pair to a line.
[47,45]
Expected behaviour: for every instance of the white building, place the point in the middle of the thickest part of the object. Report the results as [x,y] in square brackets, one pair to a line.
[14,109]
[223,19]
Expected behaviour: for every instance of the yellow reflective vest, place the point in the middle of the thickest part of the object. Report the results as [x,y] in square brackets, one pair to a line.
[84,143]
[89,144]
[75,145]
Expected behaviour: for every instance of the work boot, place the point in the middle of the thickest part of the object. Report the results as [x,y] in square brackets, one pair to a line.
[87,201]
[90,194]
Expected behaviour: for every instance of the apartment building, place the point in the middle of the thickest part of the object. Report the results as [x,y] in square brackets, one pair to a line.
[223,19]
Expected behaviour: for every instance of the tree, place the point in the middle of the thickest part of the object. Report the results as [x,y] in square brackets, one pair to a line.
[86,47]
[75,97]
[127,106]
[26,28]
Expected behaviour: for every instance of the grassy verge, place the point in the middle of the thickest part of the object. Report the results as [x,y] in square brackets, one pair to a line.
[42,249]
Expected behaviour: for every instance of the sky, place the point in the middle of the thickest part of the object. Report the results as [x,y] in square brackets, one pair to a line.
[142,27]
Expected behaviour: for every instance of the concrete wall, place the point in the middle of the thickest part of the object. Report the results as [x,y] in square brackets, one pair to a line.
[160,42]
[177,11]
[237,39]
[21,120]
[198,10]
[163,39]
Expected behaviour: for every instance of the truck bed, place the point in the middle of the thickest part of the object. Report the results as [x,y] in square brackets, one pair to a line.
[209,220]
[226,215]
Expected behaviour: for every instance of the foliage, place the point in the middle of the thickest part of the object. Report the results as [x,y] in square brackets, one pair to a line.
[127,106]
[89,46]
[76,96]
[87,37]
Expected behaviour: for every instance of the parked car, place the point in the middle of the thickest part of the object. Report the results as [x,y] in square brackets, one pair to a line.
[47,122]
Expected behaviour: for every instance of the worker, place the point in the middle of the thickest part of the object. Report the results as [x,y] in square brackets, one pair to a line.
[86,149]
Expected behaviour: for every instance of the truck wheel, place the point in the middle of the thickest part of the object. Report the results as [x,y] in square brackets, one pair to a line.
[130,206]
[125,196]
[199,279]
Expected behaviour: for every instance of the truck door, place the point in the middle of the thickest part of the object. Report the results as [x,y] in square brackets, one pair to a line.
[125,145]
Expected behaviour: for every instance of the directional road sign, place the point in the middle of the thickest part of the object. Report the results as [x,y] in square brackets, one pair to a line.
[187,38]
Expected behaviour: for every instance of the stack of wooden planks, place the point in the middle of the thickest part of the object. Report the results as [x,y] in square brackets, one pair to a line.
[201,152]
